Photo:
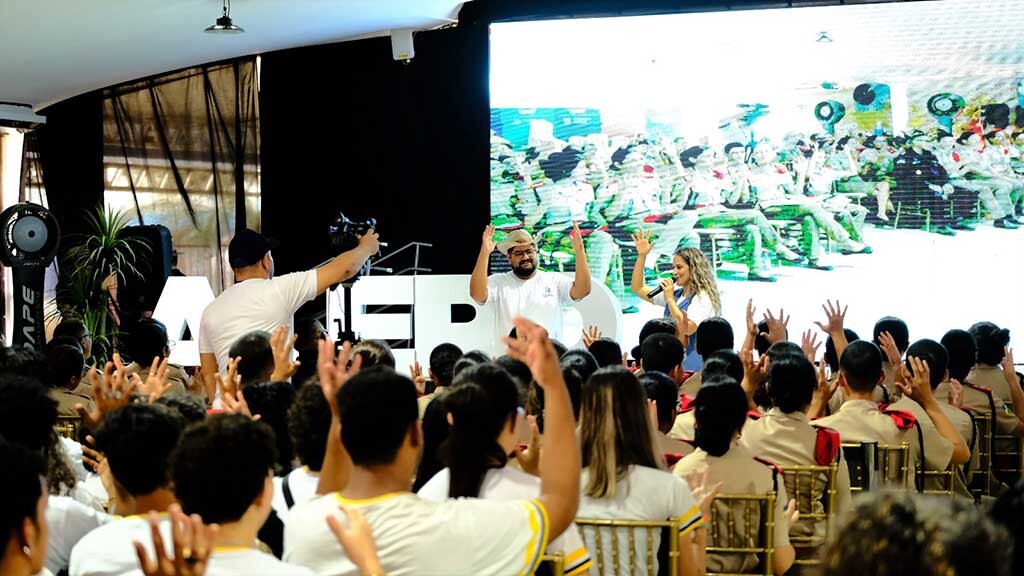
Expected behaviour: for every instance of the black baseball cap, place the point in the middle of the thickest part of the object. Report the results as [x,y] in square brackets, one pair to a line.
[248,247]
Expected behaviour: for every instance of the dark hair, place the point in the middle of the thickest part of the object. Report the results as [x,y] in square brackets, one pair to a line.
[783,348]
[580,360]
[374,353]
[831,358]
[221,466]
[20,481]
[720,411]
[791,382]
[308,332]
[24,361]
[435,433]
[723,362]
[688,157]
[257,362]
[481,402]
[559,347]
[614,429]
[471,358]
[665,392]
[935,355]
[191,408]
[72,328]
[574,384]
[309,422]
[272,400]
[761,343]
[377,408]
[64,341]
[962,353]
[651,327]
[27,413]
[607,352]
[519,372]
[442,360]
[1008,512]
[991,341]
[662,353]
[148,340]
[922,535]
[896,328]
[138,440]
[65,362]
[714,334]
[861,365]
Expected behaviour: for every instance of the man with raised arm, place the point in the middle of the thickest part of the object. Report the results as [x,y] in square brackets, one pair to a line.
[525,290]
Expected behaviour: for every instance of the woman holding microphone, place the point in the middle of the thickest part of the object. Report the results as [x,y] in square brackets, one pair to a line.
[693,289]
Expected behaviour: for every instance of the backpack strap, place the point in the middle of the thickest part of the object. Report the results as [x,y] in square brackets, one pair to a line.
[286,491]
[776,471]
[826,445]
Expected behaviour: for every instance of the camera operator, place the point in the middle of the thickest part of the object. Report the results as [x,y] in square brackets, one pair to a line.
[259,301]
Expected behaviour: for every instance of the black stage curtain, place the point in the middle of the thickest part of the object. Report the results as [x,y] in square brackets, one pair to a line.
[344,127]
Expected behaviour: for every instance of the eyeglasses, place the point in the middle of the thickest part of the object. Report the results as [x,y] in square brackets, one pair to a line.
[524,253]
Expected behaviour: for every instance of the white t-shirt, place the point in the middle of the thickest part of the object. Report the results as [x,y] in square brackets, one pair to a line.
[254,304]
[231,561]
[417,536]
[643,494]
[511,484]
[540,298]
[69,521]
[301,482]
[109,549]
[699,310]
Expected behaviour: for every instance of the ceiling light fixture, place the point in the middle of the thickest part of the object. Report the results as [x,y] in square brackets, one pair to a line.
[224,24]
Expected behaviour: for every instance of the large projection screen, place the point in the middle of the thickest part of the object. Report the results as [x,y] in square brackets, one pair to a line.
[754,135]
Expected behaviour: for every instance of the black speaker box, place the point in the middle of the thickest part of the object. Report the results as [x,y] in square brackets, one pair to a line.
[136,295]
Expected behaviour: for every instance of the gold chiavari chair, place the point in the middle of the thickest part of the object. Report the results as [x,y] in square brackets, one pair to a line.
[1007,456]
[746,531]
[811,486]
[873,466]
[68,426]
[609,535]
[556,562]
[980,479]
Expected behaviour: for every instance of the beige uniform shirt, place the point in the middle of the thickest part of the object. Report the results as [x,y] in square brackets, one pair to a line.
[991,377]
[682,428]
[67,399]
[739,473]
[1003,420]
[176,377]
[938,451]
[880,396]
[934,441]
[668,445]
[790,440]
[692,384]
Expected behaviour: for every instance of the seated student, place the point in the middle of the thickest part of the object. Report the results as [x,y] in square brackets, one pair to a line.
[664,353]
[148,341]
[137,441]
[606,351]
[922,535]
[309,421]
[223,471]
[721,363]
[860,419]
[271,402]
[257,357]
[65,368]
[651,327]
[712,335]
[75,329]
[895,333]
[435,435]
[442,360]
[482,405]
[308,332]
[935,357]
[721,410]
[991,341]
[374,353]
[1008,512]
[665,393]
[979,399]
[376,417]
[472,358]
[831,358]
[786,436]
[580,360]
[621,476]
[23,523]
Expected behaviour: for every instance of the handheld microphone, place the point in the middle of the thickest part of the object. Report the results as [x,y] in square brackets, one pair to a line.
[657,290]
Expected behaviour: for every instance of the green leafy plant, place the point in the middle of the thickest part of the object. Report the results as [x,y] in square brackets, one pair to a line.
[92,268]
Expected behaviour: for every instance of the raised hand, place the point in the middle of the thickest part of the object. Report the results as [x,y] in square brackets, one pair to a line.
[754,373]
[529,458]
[835,315]
[892,352]
[916,381]
[234,403]
[751,324]
[156,384]
[282,347]
[642,241]
[230,384]
[192,541]
[533,347]
[777,327]
[590,335]
[576,237]
[110,392]
[1009,370]
[810,345]
[488,244]
[335,371]
[823,393]
[703,491]
[357,540]
[956,393]
[416,372]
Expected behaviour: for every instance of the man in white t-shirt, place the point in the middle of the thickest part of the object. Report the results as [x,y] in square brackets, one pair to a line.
[525,290]
[259,301]
[376,415]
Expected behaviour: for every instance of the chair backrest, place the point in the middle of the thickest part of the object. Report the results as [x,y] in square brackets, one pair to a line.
[873,466]
[635,537]
[68,426]
[938,482]
[1007,456]
[814,489]
[742,528]
[556,562]
[980,484]
[860,459]
[894,465]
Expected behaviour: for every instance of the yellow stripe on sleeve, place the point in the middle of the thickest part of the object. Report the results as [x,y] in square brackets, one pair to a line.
[539,527]
[581,569]
[691,520]
[578,562]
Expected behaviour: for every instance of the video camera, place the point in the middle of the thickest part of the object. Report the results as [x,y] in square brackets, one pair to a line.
[345,233]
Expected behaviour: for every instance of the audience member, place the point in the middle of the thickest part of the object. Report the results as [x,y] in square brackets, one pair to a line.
[722,363]
[374,353]
[962,352]
[1008,512]
[309,422]
[23,515]
[992,342]
[147,342]
[891,334]
[712,335]
[665,394]
[651,327]
[272,401]
[664,353]
[580,360]
[256,362]
[435,433]
[65,367]
[607,352]
[442,362]
[76,329]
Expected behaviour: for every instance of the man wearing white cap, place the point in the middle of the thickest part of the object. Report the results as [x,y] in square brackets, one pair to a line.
[526,291]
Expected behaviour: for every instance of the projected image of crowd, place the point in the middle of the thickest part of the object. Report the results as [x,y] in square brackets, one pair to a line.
[797,201]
